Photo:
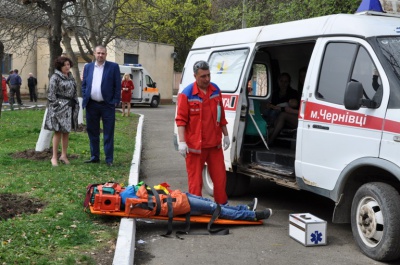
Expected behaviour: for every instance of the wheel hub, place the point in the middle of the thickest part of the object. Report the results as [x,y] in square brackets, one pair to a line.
[367,221]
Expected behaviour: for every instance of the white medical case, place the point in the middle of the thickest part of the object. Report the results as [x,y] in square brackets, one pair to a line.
[307,229]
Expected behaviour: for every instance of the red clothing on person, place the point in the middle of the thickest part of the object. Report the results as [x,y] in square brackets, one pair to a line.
[192,115]
[198,113]
[126,95]
[4,89]
[214,157]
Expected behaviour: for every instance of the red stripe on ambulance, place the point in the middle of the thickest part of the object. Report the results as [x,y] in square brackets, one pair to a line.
[325,114]
[229,102]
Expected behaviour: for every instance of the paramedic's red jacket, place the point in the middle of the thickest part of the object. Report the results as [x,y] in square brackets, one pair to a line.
[189,115]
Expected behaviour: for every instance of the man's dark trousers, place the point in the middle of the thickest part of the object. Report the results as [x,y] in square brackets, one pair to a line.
[96,111]
[15,90]
[32,93]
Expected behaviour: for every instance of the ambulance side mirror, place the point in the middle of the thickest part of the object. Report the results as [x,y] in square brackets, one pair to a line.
[353,95]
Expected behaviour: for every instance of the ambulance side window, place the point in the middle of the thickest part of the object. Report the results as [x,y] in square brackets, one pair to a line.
[335,71]
[258,81]
[149,81]
[365,72]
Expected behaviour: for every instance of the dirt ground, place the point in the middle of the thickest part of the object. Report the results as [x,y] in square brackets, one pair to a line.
[12,205]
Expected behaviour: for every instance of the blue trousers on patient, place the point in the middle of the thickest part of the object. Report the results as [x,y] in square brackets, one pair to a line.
[200,205]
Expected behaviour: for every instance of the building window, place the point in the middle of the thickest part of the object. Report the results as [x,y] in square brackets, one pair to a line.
[131,58]
[6,65]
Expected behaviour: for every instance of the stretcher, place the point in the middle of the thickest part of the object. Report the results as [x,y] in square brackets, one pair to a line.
[193,219]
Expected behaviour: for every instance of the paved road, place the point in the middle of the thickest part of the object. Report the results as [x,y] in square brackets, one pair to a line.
[266,244]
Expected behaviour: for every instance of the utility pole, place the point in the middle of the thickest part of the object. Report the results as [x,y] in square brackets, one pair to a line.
[243,13]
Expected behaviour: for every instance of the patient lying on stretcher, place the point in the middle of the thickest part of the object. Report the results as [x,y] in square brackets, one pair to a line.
[182,202]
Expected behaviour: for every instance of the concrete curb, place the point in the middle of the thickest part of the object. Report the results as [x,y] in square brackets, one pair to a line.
[125,249]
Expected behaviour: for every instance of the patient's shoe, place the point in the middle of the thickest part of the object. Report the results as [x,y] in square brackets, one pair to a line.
[260,215]
[253,205]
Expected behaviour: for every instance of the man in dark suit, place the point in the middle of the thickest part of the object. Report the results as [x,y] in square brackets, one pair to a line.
[32,82]
[101,91]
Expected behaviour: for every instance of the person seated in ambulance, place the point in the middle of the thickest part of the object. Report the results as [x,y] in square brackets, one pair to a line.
[279,100]
[289,116]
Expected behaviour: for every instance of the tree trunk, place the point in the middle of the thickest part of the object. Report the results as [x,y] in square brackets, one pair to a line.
[75,71]
[54,40]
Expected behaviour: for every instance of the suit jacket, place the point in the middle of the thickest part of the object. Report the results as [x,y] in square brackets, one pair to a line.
[110,83]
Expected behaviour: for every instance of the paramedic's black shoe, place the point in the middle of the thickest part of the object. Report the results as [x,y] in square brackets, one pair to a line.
[109,164]
[260,215]
[253,205]
[92,161]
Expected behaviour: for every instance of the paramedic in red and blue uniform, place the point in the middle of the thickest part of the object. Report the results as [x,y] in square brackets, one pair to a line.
[201,124]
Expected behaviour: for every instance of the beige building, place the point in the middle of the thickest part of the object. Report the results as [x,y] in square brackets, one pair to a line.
[157,58]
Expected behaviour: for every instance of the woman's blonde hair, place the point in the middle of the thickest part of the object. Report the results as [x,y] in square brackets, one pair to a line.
[127,75]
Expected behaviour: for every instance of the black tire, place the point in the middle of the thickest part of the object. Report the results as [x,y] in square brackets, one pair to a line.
[242,184]
[375,221]
[154,102]
[236,184]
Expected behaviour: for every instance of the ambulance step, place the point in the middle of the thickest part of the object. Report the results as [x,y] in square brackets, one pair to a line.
[274,157]
[280,175]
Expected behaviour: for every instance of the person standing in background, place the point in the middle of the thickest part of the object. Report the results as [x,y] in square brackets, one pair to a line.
[14,81]
[63,108]
[201,124]
[32,82]
[4,89]
[1,99]
[126,93]
[101,92]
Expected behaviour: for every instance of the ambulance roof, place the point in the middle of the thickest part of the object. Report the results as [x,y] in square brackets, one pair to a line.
[127,68]
[366,24]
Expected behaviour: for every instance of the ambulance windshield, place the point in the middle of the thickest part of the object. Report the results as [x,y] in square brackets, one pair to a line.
[390,47]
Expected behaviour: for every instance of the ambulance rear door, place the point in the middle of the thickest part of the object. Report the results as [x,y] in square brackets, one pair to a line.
[228,67]
[137,78]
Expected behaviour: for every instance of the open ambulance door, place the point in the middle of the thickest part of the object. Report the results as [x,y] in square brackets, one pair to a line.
[137,78]
[228,67]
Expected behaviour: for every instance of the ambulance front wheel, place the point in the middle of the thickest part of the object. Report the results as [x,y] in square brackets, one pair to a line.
[154,102]
[236,184]
[375,221]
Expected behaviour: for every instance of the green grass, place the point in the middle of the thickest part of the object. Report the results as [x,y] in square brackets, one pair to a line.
[61,233]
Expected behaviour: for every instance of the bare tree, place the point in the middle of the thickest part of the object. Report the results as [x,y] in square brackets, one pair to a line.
[53,9]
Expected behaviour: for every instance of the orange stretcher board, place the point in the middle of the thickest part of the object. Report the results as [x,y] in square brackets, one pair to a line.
[193,219]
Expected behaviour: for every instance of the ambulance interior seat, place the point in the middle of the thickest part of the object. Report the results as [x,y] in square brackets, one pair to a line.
[251,132]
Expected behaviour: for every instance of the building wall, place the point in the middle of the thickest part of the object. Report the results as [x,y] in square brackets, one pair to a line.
[155,57]
[24,58]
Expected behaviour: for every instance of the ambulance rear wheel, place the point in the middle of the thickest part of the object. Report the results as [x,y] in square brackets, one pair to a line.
[154,102]
[375,221]
[236,184]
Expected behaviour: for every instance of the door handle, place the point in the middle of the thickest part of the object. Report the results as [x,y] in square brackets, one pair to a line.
[320,127]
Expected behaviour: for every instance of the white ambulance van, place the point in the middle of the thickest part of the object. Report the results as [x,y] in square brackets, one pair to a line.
[347,143]
[146,91]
